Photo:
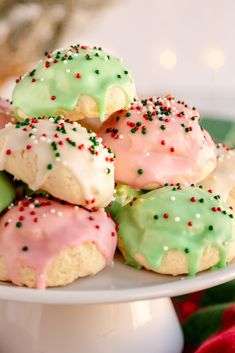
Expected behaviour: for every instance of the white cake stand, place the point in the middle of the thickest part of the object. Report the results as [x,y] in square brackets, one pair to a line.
[120,310]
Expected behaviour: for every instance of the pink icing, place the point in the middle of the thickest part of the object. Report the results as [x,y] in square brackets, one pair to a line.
[158,141]
[48,229]
[6,112]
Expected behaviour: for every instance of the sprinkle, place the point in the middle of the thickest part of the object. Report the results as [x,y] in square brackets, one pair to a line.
[52,210]
[8,152]
[140,171]
[163,142]
[190,224]
[177,219]
[49,166]
[155,216]
[172,149]
[165,215]
[210,227]
[165,248]
[97,72]
[78,75]
[18,224]
[172,198]
[186,250]
[59,213]
[24,248]
[197,215]
[193,199]
[97,226]
[53,98]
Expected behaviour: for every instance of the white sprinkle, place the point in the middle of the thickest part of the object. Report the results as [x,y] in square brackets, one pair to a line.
[69,52]
[165,248]
[65,61]
[121,137]
[8,124]
[41,79]
[177,219]
[44,215]
[51,119]
[34,129]
[35,142]
[197,215]
[172,198]
[42,138]
[52,210]
[36,201]
[68,70]
[65,163]
[32,137]
[75,54]
[76,208]
[50,60]
[57,159]
[59,213]
[9,220]
[48,140]
[31,205]
[147,154]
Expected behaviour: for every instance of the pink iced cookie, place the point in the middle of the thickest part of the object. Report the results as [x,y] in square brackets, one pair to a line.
[6,112]
[46,243]
[158,141]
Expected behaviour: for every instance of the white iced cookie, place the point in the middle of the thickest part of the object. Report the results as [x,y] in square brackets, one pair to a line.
[222,180]
[62,158]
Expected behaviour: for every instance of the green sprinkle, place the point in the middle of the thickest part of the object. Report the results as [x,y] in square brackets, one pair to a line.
[128,114]
[25,248]
[118,118]
[138,123]
[140,171]
[231,215]
[155,216]
[108,170]
[125,72]
[210,227]
[186,250]
[133,130]
[162,127]
[18,224]
[201,200]
[119,76]
[97,72]
[49,166]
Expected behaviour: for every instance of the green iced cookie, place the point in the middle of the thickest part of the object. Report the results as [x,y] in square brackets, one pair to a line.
[7,191]
[188,219]
[64,75]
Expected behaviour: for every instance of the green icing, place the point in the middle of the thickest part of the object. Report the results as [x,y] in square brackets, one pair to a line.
[7,191]
[124,194]
[196,220]
[56,76]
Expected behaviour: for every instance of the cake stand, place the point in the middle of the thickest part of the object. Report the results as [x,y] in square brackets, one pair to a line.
[118,310]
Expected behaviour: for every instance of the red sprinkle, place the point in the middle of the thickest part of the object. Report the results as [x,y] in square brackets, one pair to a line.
[166,215]
[32,213]
[78,75]
[8,152]
[163,142]
[91,218]
[190,224]
[21,218]
[192,199]
[113,234]
[28,147]
[35,220]
[172,149]
[97,227]
[53,98]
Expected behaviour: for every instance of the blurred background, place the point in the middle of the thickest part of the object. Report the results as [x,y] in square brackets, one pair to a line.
[184,47]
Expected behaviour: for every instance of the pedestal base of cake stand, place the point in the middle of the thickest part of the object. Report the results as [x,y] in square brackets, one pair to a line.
[141,326]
